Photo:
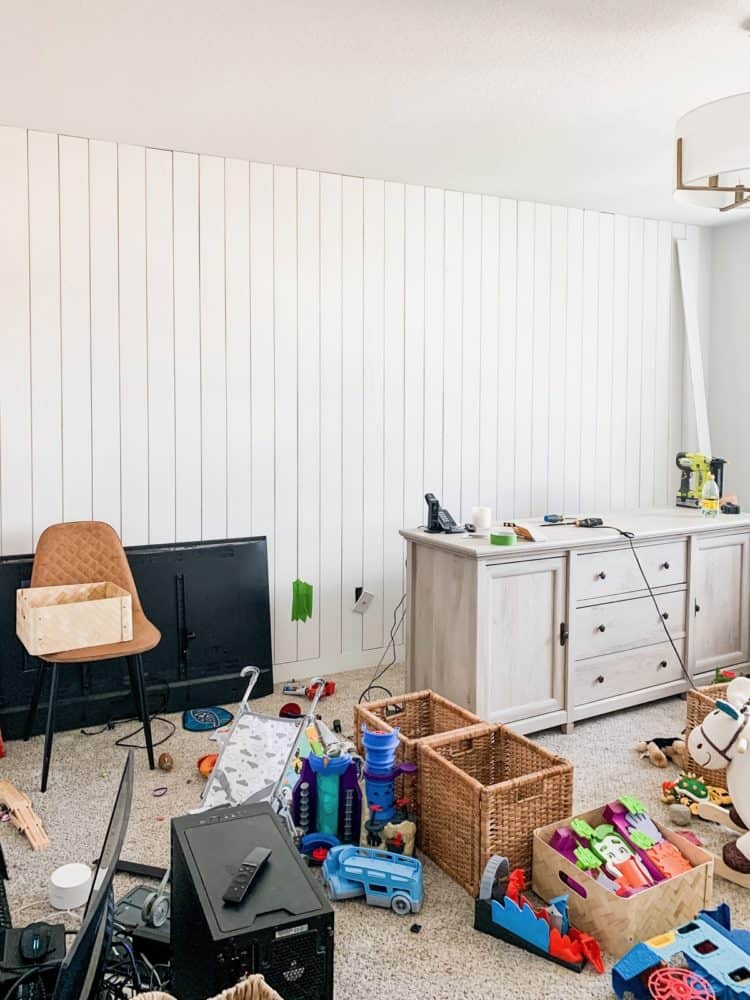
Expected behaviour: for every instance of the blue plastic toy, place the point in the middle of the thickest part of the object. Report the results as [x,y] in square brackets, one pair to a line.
[384,879]
[707,945]
[381,771]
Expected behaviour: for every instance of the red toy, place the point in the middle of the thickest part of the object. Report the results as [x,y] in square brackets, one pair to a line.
[669,983]
[329,688]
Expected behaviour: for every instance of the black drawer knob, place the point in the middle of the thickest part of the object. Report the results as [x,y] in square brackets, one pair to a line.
[600,679]
[665,615]
[662,665]
[664,565]
[602,628]
[602,575]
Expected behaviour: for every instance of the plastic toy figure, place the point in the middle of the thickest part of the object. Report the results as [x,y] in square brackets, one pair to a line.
[383,878]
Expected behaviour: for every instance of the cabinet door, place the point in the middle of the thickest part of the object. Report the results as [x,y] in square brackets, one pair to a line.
[721,602]
[523,661]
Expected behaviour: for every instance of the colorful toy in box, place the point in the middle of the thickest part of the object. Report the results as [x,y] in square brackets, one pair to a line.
[504,913]
[705,948]
[625,854]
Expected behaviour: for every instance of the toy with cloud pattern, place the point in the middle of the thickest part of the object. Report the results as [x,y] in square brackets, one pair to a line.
[722,740]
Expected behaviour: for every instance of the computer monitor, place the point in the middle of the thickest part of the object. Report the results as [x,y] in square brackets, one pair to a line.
[83,966]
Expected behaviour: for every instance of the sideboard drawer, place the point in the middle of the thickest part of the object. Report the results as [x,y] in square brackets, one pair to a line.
[620,673]
[607,628]
[615,571]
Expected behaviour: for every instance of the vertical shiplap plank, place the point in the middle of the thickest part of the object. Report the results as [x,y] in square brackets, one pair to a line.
[663,463]
[524,357]
[213,348]
[619,472]
[15,373]
[187,348]
[75,326]
[677,353]
[452,353]
[393,417]
[133,344]
[161,360]
[308,486]
[573,388]
[415,357]
[434,339]
[589,359]
[239,397]
[330,594]
[541,362]
[602,498]
[352,411]
[287,415]
[648,381]
[557,359]
[105,333]
[46,362]
[263,482]
[488,401]
[506,368]
[634,368]
[471,345]
[372,431]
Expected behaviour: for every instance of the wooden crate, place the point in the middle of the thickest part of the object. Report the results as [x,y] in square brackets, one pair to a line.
[701,701]
[619,923]
[56,619]
[253,988]
[484,790]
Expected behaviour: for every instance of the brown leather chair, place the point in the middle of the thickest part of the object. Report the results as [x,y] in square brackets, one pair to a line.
[87,552]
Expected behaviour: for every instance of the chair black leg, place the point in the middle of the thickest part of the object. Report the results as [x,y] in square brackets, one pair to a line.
[135,666]
[49,733]
[34,706]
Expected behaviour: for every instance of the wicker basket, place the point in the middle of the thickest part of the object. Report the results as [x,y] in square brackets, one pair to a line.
[252,988]
[417,716]
[484,791]
[700,701]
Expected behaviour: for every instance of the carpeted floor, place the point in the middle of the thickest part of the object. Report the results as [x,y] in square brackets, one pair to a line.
[376,954]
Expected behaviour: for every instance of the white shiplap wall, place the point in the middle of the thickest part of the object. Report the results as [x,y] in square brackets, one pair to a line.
[193,347]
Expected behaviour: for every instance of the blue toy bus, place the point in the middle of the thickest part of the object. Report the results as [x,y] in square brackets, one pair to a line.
[384,879]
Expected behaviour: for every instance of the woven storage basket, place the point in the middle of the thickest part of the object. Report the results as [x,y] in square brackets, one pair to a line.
[700,701]
[618,922]
[484,791]
[417,715]
[252,988]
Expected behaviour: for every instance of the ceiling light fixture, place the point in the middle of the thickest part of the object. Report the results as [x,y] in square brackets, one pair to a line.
[713,154]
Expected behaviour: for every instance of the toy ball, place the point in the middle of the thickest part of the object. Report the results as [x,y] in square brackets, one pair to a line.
[166,762]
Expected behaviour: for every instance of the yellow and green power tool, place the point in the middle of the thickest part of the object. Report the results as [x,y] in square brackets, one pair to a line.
[695,468]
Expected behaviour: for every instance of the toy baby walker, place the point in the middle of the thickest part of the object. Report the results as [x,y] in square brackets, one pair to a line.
[722,740]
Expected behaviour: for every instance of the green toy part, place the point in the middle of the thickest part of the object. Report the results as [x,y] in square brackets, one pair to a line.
[633,805]
[582,828]
[586,860]
[641,839]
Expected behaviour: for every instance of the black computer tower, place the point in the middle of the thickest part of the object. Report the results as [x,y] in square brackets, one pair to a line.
[283,928]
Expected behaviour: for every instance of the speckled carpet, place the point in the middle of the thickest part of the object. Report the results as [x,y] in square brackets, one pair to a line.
[376,954]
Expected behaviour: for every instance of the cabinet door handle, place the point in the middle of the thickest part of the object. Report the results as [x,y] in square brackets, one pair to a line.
[662,665]
[697,607]
[602,628]
[563,633]
[600,679]
[664,565]
[602,575]
[665,615]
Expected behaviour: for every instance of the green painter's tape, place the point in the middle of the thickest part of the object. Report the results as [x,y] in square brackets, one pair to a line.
[504,539]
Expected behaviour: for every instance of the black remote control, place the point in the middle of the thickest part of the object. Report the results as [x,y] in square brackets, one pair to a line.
[239,887]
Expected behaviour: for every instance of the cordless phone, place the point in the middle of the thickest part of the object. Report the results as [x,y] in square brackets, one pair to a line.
[239,887]
[439,519]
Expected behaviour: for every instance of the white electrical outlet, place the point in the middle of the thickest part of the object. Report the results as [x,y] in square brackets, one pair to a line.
[363,603]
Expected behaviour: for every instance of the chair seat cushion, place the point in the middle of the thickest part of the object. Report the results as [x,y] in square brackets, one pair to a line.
[145,637]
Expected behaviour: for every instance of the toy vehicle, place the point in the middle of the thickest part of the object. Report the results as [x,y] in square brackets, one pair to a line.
[691,792]
[707,946]
[384,879]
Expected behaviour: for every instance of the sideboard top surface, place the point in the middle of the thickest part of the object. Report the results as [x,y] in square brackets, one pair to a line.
[651,523]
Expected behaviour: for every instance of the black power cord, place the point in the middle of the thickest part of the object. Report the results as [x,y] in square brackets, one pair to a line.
[123,740]
[629,536]
[391,644]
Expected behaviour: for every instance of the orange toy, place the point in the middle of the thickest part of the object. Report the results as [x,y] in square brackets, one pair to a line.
[206,763]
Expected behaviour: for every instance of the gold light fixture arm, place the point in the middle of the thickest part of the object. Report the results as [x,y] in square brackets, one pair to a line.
[740,192]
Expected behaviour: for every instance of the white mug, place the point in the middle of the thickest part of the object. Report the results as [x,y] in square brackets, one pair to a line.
[481,518]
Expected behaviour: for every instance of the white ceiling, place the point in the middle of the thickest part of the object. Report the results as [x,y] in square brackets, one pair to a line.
[565,101]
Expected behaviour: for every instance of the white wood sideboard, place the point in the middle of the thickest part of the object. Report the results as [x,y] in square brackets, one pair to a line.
[547,633]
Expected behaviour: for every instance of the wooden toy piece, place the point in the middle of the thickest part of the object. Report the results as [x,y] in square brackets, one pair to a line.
[406,831]
[722,739]
[22,816]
